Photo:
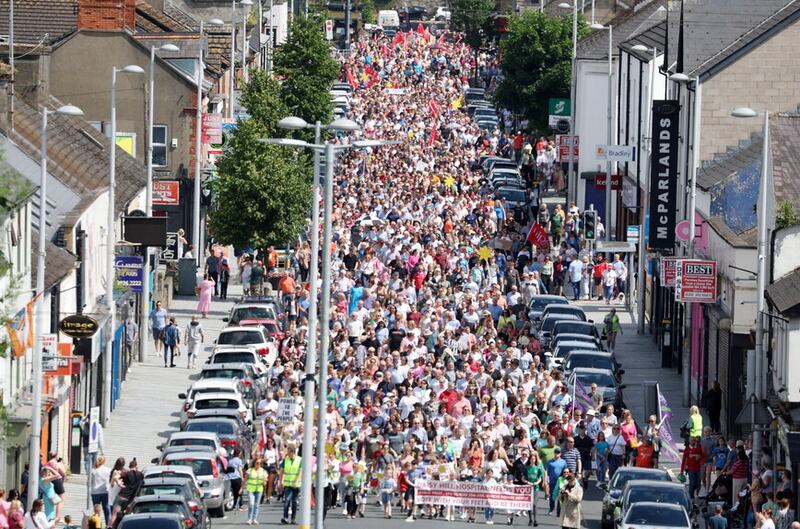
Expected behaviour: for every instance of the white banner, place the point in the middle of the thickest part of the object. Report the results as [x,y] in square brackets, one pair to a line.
[469,494]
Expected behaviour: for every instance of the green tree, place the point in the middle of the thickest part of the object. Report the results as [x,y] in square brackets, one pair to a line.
[787,215]
[475,19]
[536,63]
[308,70]
[262,192]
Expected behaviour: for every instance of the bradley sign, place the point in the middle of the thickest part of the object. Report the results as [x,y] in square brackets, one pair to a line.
[664,174]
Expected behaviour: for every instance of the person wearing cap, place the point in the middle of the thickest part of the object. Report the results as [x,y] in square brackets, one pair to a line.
[616,451]
[553,469]
[592,424]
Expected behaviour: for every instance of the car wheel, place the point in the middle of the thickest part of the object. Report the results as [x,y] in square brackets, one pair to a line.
[228,505]
[217,512]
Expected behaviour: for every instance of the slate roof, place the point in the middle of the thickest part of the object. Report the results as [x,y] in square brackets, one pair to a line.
[78,154]
[595,45]
[30,26]
[151,20]
[785,293]
[746,239]
[58,261]
[716,31]
[785,145]
[729,164]
[653,37]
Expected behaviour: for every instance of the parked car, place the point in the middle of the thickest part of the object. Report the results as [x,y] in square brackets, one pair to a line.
[618,481]
[232,433]
[241,371]
[539,302]
[442,13]
[555,359]
[561,308]
[639,490]
[549,323]
[269,307]
[193,516]
[652,515]
[607,384]
[238,355]
[208,439]
[207,401]
[514,197]
[183,486]
[272,327]
[154,521]
[575,326]
[594,359]
[213,385]
[593,343]
[208,470]
[170,471]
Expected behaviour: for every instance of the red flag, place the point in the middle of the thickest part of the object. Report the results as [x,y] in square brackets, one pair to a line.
[262,442]
[399,37]
[420,28]
[427,35]
[440,42]
[434,108]
[434,134]
[538,237]
[351,80]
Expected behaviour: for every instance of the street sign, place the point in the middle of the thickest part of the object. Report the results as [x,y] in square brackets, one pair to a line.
[329,29]
[94,430]
[615,247]
[632,233]
[166,192]
[696,281]
[669,267]
[562,143]
[49,352]
[600,182]
[286,407]
[615,153]
[558,109]
[130,271]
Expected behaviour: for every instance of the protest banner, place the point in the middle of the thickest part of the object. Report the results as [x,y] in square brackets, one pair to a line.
[668,445]
[469,494]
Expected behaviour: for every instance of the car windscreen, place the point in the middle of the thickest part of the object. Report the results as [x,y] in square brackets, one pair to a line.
[565,309]
[564,350]
[659,495]
[538,304]
[598,362]
[251,313]
[658,516]
[234,358]
[201,467]
[512,195]
[160,490]
[157,506]
[193,442]
[221,427]
[574,328]
[147,523]
[200,391]
[271,328]
[211,404]
[240,338]
[223,373]
[549,323]
[622,476]
[603,380]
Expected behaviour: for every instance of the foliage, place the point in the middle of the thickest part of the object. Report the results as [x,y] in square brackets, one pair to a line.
[369,15]
[263,192]
[786,216]
[306,66]
[537,63]
[474,18]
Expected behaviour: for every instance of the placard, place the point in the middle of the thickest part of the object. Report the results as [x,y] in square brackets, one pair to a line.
[286,410]
[170,252]
[664,174]
[94,430]
[600,182]
[470,494]
[696,281]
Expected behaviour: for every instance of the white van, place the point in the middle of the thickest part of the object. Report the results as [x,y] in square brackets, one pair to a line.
[388,19]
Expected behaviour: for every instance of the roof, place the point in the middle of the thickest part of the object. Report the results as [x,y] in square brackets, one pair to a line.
[785,145]
[729,164]
[718,31]
[58,261]
[78,155]
[745,239]
[595,45]
[151,20]
[653,37]
[18,190]
[31,27]
[785,293]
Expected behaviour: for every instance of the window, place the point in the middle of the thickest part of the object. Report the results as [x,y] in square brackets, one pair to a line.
[159,146]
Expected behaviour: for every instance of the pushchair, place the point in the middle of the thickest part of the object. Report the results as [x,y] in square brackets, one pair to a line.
[720,494]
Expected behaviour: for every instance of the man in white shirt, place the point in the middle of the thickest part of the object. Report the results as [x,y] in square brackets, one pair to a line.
[575,276]
[622,274]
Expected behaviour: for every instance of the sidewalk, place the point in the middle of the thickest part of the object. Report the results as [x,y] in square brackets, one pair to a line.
[148,410]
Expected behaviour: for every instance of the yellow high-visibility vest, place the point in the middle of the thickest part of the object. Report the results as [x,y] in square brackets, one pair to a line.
[291,471]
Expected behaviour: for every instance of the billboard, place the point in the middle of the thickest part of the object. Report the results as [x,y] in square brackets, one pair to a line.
[664,174]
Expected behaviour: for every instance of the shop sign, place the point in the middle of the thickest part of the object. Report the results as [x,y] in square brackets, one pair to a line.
[78,326]
[166,193]
[664,174]
[669,270]
[130,271]
[696,281]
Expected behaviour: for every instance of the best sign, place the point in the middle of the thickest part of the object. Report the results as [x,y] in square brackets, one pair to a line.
[696,281]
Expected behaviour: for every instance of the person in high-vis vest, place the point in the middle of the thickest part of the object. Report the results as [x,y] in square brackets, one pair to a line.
[289,475]
[256,478]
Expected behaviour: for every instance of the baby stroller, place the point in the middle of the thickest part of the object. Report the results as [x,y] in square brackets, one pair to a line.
[718,495]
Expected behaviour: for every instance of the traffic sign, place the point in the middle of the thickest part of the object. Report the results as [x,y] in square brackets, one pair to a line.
[94,430]
[696,281]
[632,233]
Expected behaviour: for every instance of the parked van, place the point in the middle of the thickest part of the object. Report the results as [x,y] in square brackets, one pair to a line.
[388,19]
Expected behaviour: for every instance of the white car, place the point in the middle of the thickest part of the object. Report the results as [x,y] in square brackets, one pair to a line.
[442,13]
[654,515]
[209,385]
[251,336]
[227,401]
[226,354]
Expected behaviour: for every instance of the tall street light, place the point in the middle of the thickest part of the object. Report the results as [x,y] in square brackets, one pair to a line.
[36,358]
[572,184]
[198,146]
[685,80]
[609,125]
[245,4]
[640,287]
[245,45]
[757,387]
[145,305]
[131,69]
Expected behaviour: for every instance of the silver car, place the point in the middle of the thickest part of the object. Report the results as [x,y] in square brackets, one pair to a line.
[208,470]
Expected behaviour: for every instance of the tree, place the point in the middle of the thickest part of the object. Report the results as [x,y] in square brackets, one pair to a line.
[262,192]
[308,70]
[536,63]
[787,215]
[475,19]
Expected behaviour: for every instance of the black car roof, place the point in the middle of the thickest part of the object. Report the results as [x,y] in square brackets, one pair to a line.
[151,498]
[164,480]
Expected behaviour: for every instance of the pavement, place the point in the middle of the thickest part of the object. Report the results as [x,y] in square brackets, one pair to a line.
[148,412]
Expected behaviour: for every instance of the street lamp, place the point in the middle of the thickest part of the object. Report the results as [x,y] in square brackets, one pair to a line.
[131,69]
[330,150]
[757,387]
[244,3]
[36,357]
[245,46]
[143,327]
[198,146]
[640,287]
[610,118]
[572,185]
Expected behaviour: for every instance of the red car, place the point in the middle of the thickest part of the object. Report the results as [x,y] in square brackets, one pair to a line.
[273,329]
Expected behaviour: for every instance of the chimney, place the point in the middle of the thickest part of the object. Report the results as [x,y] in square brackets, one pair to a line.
[107,14]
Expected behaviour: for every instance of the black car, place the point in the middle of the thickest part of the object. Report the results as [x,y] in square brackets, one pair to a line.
[538,303]
[413,13]
[154,521]
[230,431]
[614,488]
[638,490]
[575,327]
[593,359]
[170,503]
[175,485]
[607,384]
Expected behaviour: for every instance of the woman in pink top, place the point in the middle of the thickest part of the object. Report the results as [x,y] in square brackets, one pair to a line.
[205,289]
[628,431]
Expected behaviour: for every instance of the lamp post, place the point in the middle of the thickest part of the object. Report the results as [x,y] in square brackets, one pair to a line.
[36,357]
[131,69]
[243,3]
[609,124]
[757,388]
[640,287]
[572,184]
[245,45]
[330,150]
[143,327]
[198,130]
[271,37]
